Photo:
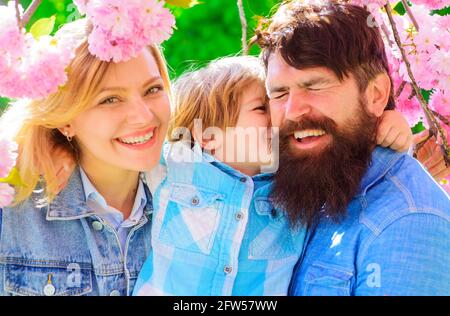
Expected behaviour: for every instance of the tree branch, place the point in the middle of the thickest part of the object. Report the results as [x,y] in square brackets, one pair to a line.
[244,27]
[30,11]
[410,14]
[434,124]
[19,22]
[443,118]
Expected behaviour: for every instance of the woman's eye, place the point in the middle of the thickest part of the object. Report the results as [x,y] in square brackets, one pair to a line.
[110,100]
[313,89]
[154,90]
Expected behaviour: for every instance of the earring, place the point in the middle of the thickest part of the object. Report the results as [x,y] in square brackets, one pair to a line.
[69,138]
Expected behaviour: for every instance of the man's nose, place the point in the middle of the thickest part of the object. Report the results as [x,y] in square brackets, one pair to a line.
[296,107]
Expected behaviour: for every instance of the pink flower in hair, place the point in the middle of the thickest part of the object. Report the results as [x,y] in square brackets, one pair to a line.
[121,29]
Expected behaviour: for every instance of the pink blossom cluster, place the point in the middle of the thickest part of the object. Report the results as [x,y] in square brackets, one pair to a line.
[8,156]
[29,67]
[121,29]
[432,4]
[428,50]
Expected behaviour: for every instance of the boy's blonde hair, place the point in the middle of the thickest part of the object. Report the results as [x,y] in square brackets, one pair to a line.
[213,93]
[34,124]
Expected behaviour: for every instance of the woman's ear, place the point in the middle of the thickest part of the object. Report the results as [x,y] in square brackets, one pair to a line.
[67,130]
[377,94]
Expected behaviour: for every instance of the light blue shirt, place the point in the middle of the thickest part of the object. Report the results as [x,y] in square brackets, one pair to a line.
[395,239]
[216,232]
[111,215]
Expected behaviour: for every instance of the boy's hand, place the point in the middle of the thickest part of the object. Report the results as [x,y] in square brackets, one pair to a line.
[394,131]
[431,155]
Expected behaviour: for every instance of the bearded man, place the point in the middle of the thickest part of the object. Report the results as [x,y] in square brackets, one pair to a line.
[378,222]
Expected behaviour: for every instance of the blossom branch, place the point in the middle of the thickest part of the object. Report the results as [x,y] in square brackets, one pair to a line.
[386,33]
[19,22]
[410,14]
[434,124]
[30,11]
[244,27]
[443,118]
[400,89]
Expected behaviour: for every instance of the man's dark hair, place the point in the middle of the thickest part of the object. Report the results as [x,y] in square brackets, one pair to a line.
[333,34]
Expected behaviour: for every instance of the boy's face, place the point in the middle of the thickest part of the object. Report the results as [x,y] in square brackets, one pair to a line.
[246,146]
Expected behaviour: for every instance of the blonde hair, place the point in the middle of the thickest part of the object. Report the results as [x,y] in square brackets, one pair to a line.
[213,93]
[34,124]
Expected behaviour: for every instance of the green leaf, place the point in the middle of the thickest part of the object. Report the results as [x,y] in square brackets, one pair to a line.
[13,178]
[43,27]
[183,3]
[399,8]
[418,128]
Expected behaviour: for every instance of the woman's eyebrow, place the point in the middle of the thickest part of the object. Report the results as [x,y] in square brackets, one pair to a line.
[146,83]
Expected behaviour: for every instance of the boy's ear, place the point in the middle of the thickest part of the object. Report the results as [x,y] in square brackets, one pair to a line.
[377,94]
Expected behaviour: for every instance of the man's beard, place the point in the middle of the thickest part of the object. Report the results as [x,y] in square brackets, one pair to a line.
[313,183]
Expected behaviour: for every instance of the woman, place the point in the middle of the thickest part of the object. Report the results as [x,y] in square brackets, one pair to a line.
[92,237]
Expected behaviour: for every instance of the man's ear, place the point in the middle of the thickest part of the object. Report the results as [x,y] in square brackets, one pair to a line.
[377,94]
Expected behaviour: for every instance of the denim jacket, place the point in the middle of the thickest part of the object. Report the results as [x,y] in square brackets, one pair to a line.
[395,239]
[64,248]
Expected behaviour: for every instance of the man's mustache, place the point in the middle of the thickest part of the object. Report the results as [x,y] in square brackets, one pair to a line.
[329,126]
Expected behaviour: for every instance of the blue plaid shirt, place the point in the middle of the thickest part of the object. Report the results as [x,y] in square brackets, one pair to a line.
[215,231]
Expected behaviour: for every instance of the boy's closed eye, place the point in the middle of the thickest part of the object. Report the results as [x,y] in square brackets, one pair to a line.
[260,108]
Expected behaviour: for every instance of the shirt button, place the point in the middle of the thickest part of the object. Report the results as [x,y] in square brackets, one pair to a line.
[274,213]
[96,225]
[195,201]
[114,293]
[49,290]
[243,179]
[227,269]
[239,216]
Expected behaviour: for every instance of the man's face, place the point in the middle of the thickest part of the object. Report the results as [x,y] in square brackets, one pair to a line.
[326,138]
[311,96]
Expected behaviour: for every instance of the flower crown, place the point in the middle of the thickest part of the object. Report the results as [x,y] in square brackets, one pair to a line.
[33,65]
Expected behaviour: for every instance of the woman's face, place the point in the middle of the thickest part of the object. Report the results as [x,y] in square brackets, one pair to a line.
[126,125]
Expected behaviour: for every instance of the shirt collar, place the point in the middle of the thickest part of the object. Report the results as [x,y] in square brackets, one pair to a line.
[383,159]
[91,193]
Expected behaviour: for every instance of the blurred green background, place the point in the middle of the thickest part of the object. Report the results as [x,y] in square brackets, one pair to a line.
[204,32]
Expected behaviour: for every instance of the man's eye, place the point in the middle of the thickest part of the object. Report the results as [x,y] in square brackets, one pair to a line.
[313,89]
[279,96]
[110,100]
[154,90]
